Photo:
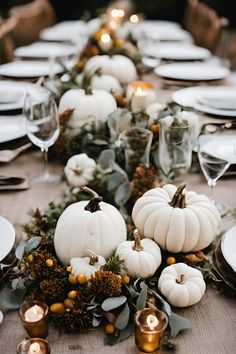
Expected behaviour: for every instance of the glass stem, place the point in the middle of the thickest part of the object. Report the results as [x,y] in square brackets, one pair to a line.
[211,183]
[46,170]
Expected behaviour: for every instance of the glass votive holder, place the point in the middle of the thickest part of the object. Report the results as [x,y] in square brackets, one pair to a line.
[149,326]
[34,317]
[33,345]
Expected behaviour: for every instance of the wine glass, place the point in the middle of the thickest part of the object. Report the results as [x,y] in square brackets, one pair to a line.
[42,127]
[213,165]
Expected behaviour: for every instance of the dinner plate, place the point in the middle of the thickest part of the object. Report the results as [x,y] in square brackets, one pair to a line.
[11,127]
[192,71]
[177,51]
[190,97]
[160,32]
[12,94]
[7,237]
[222,147]
[29,69]
[228,247]
[45,50]
[64,31]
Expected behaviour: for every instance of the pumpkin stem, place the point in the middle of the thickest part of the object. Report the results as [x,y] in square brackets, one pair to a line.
[137,241]
[180,279]
[93,259]
[178,200]
[86,81]
[93,204]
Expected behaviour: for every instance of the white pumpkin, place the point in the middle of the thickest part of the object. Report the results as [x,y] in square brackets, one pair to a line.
[88,106]
[79,170]
[119,66]
[102,82]
[178,222]
[182,285]
[86,265]
[141,258]
[87,225]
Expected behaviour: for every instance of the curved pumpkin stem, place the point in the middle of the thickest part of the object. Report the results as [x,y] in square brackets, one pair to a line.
[180,279]
[93,204]
[178,200]
[93,259]
[86,81]
[137,241]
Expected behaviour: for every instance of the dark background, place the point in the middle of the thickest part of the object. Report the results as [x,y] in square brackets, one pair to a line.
[153,9]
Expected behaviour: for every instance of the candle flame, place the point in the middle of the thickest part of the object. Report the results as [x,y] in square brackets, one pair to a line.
[139,90]
[34,348]
[117,13]
[105,38]
[134,18]
[152,322]
[35,312]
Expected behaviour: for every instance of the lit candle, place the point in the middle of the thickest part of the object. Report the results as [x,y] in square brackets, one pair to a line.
[105,42]
[33,345]
[149,326]
[141,94]
[34,313]
[134,19]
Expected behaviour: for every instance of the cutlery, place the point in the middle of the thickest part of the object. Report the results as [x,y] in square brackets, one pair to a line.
[14,183]
[9,155]
[10,180]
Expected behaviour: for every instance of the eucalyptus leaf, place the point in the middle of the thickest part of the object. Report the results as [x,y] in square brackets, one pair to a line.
[178,323]
[165,306]
[113,302]
[142,299]
[133,293]
[123,193]
[32,243]
[122,335]
[20,250]
[106,158]
[96,321]
[123,318]
[11,299]
[114,180]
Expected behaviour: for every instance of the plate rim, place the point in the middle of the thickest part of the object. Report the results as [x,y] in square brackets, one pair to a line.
[13,235]
[18,135]
[18,84]
[25,62]
[228,232]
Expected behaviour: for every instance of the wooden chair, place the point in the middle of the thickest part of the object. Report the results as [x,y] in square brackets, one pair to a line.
[31,19]
[6,43]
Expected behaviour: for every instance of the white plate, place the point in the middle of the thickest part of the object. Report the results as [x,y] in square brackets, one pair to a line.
[228,247]
[190,97]
[160,32]
[64,31]
[12,94]
[45,50]
[28,69]
[222,147]
[177,51]
[7,237]
[11,127]
[192,71]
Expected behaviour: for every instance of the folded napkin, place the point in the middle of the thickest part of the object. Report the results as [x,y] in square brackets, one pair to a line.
[13,183]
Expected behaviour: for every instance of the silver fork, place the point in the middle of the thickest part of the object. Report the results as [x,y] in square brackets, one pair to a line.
[9,155]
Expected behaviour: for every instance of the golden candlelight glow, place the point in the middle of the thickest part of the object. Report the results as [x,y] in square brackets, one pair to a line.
[105,38]
[134,18]
[117,13]
[34,348]
[34,314]
[139,91]
[152,322]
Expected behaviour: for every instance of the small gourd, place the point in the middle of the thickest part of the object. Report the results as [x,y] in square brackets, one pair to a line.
[182,285]
[141,257]
[176,221]
[86,265]
[79,170]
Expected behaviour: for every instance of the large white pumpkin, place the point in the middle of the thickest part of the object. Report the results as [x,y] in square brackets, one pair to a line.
[102,82]
[119,66]
[88,106]
[88,225]
[141,258]
[182,285]
[177,221]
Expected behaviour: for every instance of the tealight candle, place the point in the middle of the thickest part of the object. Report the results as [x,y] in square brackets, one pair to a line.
[141,94]
[33,315]
[116,18]
[34,345]
[105,42]
[149,326]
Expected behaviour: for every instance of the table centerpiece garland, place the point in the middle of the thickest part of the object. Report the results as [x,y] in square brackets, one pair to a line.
[121,174]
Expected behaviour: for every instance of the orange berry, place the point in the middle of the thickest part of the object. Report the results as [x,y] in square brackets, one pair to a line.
[30,258]
[72,279]
[170,260]
[191,258]
[109,328]
[49,263]
[125,279]
[155,128]
[69,303]
[57,307]
[72,294]
[82,278]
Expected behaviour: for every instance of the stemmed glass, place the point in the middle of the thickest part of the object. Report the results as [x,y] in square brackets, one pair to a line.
[213,165]
[43,128]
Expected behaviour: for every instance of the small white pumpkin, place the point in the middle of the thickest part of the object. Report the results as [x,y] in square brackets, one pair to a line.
[119,66]
[141,258]
[89,105]
[182,285]
[178,222]
[86,265]
[79,170]
[87,225]
[102,82]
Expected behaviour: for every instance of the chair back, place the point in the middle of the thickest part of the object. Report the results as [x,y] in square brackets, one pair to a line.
[6,44]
